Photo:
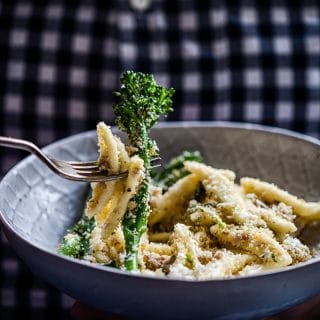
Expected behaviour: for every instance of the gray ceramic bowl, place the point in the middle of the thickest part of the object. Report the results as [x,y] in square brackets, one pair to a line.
[38,207]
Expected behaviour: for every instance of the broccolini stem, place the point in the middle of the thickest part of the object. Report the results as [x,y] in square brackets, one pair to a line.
[141,101]
[135,225]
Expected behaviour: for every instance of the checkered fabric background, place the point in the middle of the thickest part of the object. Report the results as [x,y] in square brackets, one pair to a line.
[245,61]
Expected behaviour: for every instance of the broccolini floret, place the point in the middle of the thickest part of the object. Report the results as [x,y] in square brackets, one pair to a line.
[174,170]
[76,242]
[141,102]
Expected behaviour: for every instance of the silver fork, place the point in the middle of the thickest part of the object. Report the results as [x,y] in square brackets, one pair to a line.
[78,171]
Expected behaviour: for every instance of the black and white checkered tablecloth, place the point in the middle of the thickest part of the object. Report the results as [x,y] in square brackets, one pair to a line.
[246,61]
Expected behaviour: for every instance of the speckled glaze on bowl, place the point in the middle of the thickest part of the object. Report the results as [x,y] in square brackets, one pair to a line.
[38,207]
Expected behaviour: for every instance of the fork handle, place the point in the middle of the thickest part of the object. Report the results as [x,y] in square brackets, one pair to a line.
[19,144]
[27,146]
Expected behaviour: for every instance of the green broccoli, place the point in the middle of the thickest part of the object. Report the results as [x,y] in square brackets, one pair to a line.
[76,241]
[174,170]
[71,245]
[141,102]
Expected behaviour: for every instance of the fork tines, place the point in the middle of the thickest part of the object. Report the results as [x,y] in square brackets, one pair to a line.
[155,162]
[90,171]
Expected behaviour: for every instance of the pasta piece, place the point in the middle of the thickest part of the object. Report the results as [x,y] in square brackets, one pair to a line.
[277,223]
[298,251]
[204,214]
[106,251]
[186,252]
[275,219]
[101,195]
[103,217]
[123,155]
[220,188]
[109,201]
[154,256]
[102,192]
[203,171]
[116,245]
[205,240]
[254,240]
[98,248]
[124,191]
[271,193]
[108,158]
[175,201]
[190,257]
[226,264]
[159,248]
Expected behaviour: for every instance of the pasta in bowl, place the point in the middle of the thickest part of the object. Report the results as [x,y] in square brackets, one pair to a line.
[37,215]
[202,224]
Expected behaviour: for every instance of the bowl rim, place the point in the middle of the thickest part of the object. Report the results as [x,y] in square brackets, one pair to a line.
[163,125]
